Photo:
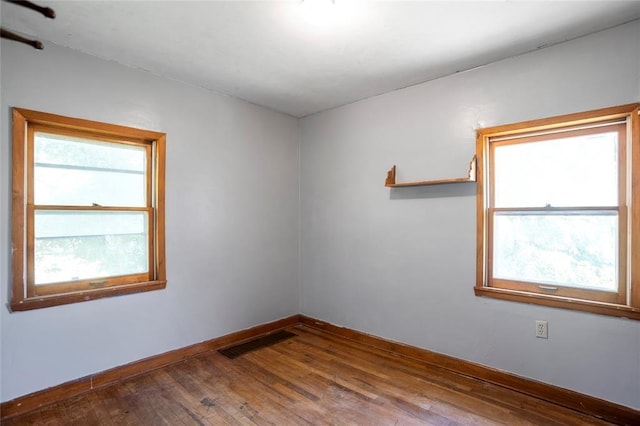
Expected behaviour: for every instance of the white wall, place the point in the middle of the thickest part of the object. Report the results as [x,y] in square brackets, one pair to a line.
[400,263]
[232,219]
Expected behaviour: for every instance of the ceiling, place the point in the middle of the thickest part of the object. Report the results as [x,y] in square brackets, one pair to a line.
[273,54]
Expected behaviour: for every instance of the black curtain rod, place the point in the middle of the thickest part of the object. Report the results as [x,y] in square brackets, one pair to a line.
[15,37]
[46,11]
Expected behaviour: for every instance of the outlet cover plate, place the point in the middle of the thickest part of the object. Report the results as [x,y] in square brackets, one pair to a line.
[542,330]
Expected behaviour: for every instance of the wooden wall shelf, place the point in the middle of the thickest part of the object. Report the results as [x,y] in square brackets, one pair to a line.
[391,178]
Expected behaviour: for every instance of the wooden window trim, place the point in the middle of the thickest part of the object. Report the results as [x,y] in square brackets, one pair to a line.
[630,306]
[23,295]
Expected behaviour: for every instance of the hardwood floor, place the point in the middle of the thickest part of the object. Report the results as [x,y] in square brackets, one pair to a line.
[314,378]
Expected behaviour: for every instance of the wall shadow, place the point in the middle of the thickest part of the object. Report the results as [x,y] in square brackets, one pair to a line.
[433,191]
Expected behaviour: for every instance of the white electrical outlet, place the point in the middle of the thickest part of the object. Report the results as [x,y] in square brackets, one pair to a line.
[542,330]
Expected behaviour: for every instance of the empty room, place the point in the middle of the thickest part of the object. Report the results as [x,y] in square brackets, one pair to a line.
[320,212]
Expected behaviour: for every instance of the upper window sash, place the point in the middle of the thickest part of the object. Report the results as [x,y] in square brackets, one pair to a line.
[73,168]
[533,171]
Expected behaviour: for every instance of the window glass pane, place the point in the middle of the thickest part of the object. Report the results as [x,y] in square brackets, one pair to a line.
[569,172]
[72,171]
[78,245]
[574,250]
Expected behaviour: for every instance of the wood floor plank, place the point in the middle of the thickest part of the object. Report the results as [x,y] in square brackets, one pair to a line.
[314,378]
[389,391]
[251,397]
[205,407]
[468,391]
[401,374]
[399,377]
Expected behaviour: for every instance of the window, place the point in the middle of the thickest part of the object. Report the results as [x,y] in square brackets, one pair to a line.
[88,210]
[559,212]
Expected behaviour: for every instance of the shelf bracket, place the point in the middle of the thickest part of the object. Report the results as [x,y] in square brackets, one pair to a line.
[391,177]
[473,173]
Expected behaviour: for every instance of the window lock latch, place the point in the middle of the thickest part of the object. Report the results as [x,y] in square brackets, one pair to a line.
[548,288]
